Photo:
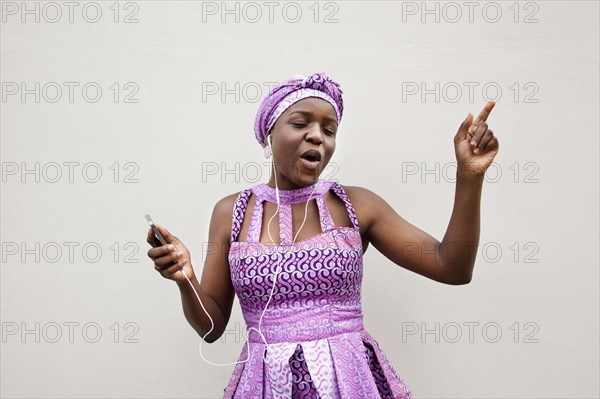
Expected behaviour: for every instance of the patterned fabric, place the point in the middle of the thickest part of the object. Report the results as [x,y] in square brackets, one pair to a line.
[317,346]
[291,91]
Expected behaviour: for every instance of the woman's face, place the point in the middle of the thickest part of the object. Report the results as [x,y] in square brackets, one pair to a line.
[303,142]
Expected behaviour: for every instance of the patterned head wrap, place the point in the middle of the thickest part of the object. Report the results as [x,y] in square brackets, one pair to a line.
[291,91]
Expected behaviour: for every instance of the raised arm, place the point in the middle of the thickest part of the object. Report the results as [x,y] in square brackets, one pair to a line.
[451,261]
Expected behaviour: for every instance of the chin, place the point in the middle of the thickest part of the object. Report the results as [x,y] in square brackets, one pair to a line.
[308,176]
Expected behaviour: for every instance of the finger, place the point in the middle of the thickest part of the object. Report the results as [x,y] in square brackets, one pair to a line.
[481,147]
[166,261]
[464,128]
[478,134]
[494,144]
[176,268]
[151,239]
[483,115]
[161,251]
[485,112]
[169,238]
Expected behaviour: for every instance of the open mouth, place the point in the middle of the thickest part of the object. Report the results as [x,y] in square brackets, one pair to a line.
[310,158]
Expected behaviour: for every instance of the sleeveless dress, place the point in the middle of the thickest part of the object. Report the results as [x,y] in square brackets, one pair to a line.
[317,347]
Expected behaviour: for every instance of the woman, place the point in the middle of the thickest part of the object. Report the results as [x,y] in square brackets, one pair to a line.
[296,264]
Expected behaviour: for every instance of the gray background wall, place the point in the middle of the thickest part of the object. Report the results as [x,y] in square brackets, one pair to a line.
[100,322]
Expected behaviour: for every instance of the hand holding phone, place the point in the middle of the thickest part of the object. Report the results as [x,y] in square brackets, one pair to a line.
[170,256]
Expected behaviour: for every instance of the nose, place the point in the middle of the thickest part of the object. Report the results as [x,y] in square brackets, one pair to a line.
[314,134]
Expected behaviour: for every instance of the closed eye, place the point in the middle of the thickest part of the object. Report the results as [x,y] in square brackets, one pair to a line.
[299,125]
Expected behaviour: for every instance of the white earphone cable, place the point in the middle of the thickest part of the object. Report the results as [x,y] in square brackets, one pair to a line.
[274,278]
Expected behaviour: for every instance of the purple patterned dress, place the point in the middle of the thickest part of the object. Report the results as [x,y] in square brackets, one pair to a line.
[317,345]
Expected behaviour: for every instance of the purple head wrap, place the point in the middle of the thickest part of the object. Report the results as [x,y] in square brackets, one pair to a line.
[291,91]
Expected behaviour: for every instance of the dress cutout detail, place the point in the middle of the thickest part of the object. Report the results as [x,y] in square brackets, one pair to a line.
[317,346]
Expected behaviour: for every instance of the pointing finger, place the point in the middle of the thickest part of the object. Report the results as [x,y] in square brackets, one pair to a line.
[483,115]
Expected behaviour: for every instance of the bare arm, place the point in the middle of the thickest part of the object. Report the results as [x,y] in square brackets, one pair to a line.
[458,249]
[173,262]
[215,289]
[398,240]
[452,261]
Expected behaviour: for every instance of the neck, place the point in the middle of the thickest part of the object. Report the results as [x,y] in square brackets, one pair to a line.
[288,185]
[292,194]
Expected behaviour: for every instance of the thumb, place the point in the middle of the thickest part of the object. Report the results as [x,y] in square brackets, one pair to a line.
[463,130]
[169,238]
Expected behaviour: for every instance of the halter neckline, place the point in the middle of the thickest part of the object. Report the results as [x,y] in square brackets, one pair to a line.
[294,195]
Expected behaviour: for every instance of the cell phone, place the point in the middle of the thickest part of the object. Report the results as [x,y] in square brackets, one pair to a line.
[155,230]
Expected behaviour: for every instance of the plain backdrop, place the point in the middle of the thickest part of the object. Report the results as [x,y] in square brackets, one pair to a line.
[160,121]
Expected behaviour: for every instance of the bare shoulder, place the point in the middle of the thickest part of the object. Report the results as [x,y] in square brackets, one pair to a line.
[358,193]
[366,199]
[362,197]
[365,202]
[226,203]
[222,215]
